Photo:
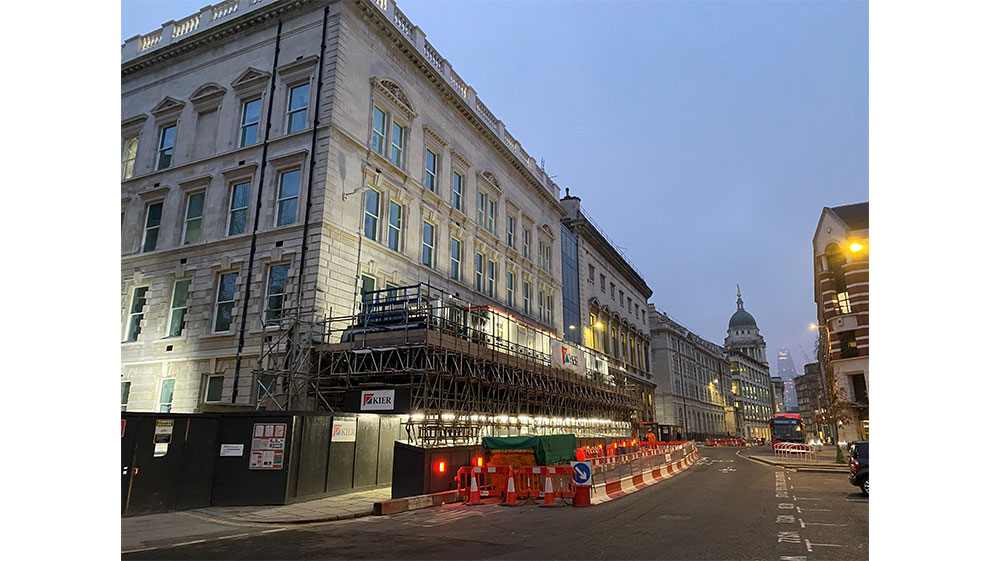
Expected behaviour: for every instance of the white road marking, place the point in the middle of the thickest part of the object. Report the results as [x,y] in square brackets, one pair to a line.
[786,519]
[789,537]
[807,498]
[787,506]
[813,510]
[793,558]
[137,550]
[234,536]
[823,524]
[808,544]
[825,544]
[274,530]
[189,543]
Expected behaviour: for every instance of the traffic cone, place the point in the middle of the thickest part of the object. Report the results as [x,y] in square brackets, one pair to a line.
[548,498]
[510,492]
[475,496]
[582,495]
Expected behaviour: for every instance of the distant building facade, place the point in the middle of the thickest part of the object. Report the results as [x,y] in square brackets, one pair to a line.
[810,389]
[842,295]
[610,311]
[787,372]
[751,386]
[693,390]
[779,405]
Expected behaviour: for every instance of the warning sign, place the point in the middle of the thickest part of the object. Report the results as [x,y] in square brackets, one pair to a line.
[267,446]
[163,430]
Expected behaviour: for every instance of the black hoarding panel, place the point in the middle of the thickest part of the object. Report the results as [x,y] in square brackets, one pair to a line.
[409,470]
[235,483]
[200,450]
[158,462]
[341,473]
[390,430]
[314,442]
[366,451]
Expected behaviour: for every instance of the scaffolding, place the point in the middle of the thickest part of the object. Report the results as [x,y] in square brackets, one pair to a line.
[470,371]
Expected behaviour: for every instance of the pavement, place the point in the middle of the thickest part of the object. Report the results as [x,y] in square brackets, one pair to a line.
[823,461]
[724,507]
[142,533]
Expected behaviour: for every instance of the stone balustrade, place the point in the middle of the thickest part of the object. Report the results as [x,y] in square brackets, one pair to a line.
[221,12]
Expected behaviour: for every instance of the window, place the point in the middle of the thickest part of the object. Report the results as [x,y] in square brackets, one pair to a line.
[165,396]
[166,145]
[479,272]
[510,231]
[549,308]
[398,143]
[482,205]
[378,131]
[128,156]
[841,303]
[371,199]
[237,217]
[526,293]
[194,219]
[226,287]
[491,279]
[455,258]
[526,243]
[250,121]
[394,224]
[430,179]
[367,286]
[288,198]
[429,237]
[180,302]
[510,288]
[214,389]
[457,191]
[125,394]
[611,287]
[298,102]
[137,314]
[278,276]
[543,305]
[545,256]
[591,273]
[847,345]
[152,224]
[622,296]
[629,304]
[601,284]
[860,391]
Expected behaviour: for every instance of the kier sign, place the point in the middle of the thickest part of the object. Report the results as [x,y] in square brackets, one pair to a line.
[378,400]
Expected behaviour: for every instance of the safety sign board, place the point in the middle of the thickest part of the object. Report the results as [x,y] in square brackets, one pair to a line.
[344,429]
[267,446]
[163,430]
[582,473]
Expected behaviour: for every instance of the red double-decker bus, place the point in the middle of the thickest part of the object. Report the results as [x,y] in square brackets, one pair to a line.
[787,427]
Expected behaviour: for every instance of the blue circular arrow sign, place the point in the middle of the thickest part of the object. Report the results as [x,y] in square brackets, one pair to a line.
[582,473]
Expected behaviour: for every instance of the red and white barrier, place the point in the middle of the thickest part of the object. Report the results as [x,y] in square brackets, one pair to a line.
[615,489]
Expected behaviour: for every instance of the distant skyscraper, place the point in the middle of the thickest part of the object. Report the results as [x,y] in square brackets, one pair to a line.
[787,373]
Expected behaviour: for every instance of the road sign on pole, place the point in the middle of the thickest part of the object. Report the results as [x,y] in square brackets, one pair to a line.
[582,473]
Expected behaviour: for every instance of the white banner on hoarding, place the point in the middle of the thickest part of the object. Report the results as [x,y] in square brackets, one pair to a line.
[344,429]
[378,400]
[568,357]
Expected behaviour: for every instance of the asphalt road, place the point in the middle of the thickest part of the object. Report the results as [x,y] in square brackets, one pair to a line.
[724,507]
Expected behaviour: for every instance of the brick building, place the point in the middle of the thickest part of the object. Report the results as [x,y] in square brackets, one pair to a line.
[842,295]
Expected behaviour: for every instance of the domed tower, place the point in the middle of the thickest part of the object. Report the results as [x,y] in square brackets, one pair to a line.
[743,333]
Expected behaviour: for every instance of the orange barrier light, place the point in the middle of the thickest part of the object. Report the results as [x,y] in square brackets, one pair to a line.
[479,461]
[441,466]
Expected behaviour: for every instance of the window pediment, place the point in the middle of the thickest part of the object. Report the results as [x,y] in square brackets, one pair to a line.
[393,93]
[207,97]
[548,231]
[489,177]
[298,69]
[460,158]
[168,108]
[251,81]
[131,126]
[195,182]
[154,193]
[435,136]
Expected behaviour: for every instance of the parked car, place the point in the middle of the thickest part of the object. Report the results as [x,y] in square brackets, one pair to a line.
[859,465]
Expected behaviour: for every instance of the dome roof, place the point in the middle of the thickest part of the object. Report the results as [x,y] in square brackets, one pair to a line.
[741,318]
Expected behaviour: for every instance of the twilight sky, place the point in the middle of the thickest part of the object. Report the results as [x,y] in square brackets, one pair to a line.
[704,137]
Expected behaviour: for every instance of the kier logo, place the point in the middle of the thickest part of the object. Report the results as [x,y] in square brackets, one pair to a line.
[379,400]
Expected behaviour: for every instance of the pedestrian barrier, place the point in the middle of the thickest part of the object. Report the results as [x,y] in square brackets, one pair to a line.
[794,450]
[535,480]
[716,442]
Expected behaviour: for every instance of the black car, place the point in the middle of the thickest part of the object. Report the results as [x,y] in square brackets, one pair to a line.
[859,465]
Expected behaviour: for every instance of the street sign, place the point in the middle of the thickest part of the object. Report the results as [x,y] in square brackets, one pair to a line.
[582,473]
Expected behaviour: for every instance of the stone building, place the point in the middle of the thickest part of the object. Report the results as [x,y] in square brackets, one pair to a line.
[842,295]
[605,303]
[779,404]
[751,386]
[279,158]
[693,380]
[810,390]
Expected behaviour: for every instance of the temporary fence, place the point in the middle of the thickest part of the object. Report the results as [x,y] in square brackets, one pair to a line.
[529,481]
[794,450]
[725,442]
[491,480]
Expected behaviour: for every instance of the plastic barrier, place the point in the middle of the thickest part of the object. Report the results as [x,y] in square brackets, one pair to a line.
[492,480]
[531,482]
[794,450]
[725,442]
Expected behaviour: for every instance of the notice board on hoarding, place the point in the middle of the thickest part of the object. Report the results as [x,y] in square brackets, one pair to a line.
[267,446]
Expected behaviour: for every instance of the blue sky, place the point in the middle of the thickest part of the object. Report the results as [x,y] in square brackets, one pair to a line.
[704,137]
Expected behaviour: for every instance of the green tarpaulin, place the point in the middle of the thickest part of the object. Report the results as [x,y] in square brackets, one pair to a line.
[549,449]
